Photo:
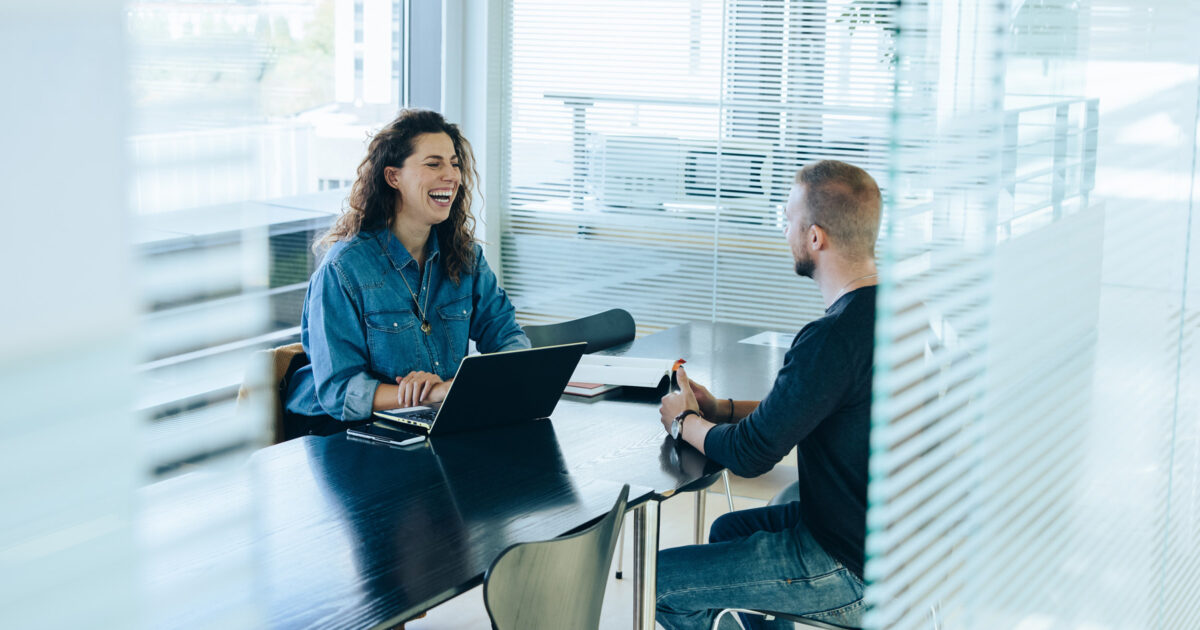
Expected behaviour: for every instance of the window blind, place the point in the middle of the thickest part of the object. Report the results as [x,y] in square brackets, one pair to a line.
[650,147]
[245,120]
[200,154]
[1034,460]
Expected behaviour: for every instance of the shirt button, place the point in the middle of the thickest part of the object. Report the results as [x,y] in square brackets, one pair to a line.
[436,363]
[394,324]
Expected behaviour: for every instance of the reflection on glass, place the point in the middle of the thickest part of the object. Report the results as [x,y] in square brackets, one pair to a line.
[1034,460]
[246,122]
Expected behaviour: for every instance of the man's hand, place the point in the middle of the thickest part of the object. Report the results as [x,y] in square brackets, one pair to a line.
[704,398]
[674,404]
[418,388]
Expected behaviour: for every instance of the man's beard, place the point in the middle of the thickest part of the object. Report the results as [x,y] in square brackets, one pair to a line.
[805,267]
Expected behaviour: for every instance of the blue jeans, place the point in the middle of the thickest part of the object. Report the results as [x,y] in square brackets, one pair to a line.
[760,559]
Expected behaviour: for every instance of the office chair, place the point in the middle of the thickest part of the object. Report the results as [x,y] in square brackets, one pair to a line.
[557,583]
[789,493]
[266,380]
[601,331]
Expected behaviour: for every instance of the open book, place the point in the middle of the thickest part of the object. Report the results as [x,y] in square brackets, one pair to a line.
[597,374]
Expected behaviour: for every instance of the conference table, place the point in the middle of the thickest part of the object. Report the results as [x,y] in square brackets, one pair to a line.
[354,534]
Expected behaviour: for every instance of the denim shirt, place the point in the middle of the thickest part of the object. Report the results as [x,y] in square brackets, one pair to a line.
[360,326]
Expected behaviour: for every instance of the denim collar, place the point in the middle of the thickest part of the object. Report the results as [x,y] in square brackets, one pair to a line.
[396,251]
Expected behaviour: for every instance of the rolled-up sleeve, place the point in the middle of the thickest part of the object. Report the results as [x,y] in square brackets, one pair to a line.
[809,386]
[337,346]
[494,323]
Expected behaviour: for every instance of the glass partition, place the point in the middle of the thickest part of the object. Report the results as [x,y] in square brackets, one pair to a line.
[1034,443]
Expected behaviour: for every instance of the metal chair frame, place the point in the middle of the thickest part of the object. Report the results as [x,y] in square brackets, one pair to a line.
[797,622]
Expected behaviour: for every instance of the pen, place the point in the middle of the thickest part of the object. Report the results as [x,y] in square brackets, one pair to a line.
[675,368]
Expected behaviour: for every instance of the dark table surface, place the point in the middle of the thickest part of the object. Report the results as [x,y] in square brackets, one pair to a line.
[618,436]
[352,534]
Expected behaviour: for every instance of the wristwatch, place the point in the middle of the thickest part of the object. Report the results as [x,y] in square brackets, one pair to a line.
[677,423]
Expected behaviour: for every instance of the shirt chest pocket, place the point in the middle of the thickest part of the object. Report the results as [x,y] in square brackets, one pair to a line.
[392,341]
[456,324]
[458,309]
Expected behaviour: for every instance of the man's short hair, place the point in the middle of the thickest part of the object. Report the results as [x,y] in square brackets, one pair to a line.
[844,200]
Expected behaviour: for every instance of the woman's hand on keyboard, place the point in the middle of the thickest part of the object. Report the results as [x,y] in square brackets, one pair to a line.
[419,388]
[416,387]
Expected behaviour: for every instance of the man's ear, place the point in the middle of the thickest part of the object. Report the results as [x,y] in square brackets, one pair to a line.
[817,238]
[391,175]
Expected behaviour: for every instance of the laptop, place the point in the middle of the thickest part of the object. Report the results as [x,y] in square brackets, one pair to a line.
[490,390]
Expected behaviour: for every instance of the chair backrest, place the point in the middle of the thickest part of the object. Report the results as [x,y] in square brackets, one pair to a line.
[266,383]
[557,583]
[789,493]
[602,330]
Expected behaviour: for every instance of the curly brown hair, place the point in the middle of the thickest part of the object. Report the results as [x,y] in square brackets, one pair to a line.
[372,202]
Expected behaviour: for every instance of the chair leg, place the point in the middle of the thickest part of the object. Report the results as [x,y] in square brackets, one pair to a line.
[728,494]
[701,498]
[620,547]
[728,618]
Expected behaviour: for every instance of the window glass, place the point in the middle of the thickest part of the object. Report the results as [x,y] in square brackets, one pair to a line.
[247,123]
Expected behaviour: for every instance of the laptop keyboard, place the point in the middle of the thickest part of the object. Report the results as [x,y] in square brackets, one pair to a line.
[426,415]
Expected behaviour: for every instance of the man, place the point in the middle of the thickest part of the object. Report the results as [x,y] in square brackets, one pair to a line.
[805,557]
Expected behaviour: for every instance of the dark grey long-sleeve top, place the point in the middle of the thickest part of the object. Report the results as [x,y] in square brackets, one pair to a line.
[821,403]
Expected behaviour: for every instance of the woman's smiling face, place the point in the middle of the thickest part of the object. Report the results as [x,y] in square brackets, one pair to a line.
[429,179]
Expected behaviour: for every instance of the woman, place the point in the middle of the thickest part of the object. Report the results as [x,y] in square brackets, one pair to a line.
[403,286]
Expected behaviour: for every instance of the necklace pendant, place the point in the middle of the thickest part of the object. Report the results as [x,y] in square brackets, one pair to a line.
[426,328]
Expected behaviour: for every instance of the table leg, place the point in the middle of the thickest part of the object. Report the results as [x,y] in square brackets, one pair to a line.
[621,548]
[728,494]
[645,564]
[701,497]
